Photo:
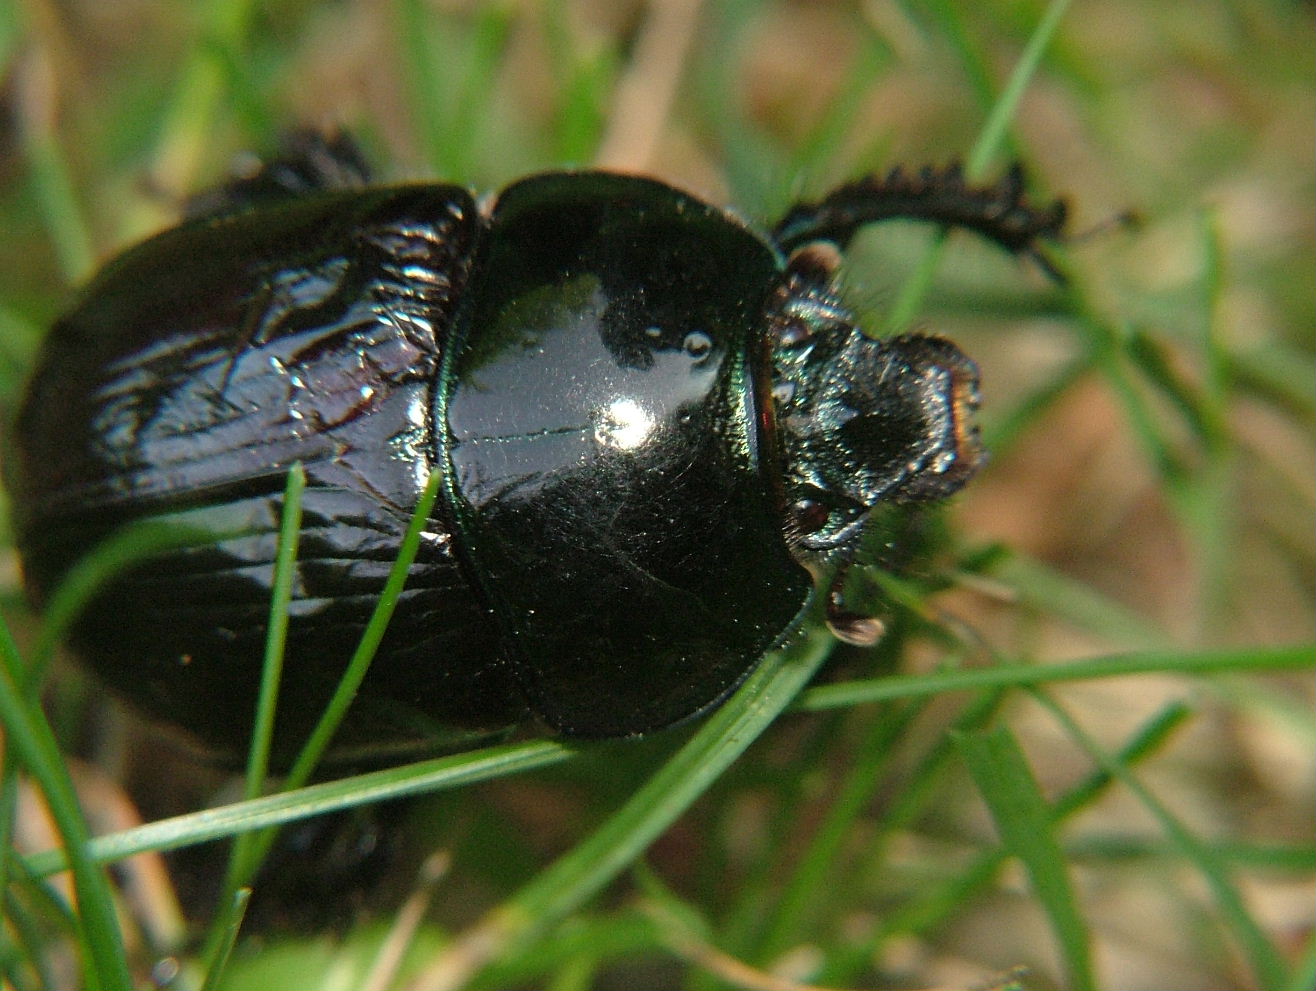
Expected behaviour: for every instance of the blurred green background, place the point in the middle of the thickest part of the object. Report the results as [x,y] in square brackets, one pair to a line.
[1152,484]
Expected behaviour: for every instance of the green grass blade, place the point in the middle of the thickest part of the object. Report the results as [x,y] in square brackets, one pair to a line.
[357,667]
[1304,971]
[195,103]
[245,857]
[8,808]
[253,847]
[753,165]
[1266,961]
[1144,743]
[1277,373]
[909,300]
[826,138]
[905,809]
[996,128]
[24,947]
[584,84]
[48,170]
[1024,821]
[29,736]
[19,338]
[234,911]
[1248,659]
[934,906]
[810,885]
[285,570]
[1049,591]
[571,881]
[9,34]
[969,55]
[422,777]
[584,941]
[1210,515]
[1001,435]
[484,51]
[424,84]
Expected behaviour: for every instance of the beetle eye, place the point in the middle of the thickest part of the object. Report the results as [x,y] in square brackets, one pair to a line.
[809,515]
[823,512]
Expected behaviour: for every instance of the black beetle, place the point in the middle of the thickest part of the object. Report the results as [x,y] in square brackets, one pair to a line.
[651,423]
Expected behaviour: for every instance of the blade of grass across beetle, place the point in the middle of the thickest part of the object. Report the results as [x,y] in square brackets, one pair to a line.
[571,880]
[132,545]
[422,777]
[255,846]
[285,563]
[246,854]
[357,667]
[492,762]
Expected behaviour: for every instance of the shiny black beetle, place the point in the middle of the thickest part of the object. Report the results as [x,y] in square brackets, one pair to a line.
[651,424]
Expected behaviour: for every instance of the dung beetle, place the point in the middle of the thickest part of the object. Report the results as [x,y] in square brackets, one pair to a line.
[654,428]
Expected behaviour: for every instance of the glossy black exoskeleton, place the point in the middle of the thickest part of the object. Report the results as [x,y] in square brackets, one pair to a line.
[651,424]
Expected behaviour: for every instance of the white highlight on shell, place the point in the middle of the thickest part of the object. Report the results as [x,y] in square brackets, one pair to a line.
[623,424]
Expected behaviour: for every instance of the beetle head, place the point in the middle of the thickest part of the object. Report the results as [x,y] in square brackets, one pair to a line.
[861,421]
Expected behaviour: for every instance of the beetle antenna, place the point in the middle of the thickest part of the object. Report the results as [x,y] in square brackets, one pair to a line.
[999,212]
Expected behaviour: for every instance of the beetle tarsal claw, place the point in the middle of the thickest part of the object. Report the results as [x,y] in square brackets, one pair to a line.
[849,627]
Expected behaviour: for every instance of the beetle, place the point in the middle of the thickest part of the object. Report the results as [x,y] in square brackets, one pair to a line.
[654,426]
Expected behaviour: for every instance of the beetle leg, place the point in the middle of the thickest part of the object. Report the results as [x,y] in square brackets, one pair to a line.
[309,161]
[999,212]
[850,627]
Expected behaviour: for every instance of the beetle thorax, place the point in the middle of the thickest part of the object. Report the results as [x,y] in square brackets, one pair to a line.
[861,421]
